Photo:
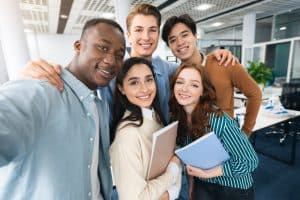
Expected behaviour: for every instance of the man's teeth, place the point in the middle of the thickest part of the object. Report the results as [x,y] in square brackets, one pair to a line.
[145,45]
[182,50]
[105,71]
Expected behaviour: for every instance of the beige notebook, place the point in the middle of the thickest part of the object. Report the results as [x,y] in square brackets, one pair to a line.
[163,147]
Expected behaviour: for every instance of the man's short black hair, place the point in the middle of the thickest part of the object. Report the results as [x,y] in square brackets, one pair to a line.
[93,22]
[172,21]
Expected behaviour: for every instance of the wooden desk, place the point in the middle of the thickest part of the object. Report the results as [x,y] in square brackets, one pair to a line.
[265,121]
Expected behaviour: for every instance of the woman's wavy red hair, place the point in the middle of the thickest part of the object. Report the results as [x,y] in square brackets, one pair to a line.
[199,125]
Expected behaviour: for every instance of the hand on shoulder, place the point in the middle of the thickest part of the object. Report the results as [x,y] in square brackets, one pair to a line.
[42,70]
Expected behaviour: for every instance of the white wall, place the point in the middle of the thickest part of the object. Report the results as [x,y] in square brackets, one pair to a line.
[230,33]
[55,48]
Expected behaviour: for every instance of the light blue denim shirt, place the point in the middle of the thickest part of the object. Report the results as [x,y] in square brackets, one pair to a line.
[46,141]
[163,71]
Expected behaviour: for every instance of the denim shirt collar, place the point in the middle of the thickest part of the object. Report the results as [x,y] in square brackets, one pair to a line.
[79,88]
[156,63]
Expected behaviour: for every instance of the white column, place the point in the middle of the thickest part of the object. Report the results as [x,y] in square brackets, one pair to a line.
[122,9]
[248,39]
[12,36]
[33,47]
[200,35]
[3,71]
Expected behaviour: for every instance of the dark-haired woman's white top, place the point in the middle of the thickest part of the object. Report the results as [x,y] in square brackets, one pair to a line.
[130,156]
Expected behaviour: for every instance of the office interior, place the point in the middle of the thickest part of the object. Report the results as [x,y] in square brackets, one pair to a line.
[266,31]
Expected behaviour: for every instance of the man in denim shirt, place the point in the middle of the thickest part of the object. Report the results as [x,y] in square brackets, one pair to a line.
[54,145]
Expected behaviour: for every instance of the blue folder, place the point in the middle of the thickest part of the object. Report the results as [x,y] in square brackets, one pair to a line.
[206,152]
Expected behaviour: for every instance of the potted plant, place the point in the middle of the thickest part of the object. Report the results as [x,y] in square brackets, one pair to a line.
[260,72]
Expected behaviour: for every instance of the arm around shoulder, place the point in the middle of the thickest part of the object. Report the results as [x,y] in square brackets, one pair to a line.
[42,70]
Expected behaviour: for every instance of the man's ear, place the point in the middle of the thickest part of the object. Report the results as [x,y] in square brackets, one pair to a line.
[120,88]
[77,46]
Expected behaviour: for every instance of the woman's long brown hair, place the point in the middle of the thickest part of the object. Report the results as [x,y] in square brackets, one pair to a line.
[200,116]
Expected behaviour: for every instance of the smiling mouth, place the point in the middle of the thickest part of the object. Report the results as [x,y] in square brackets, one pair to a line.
[183,49]
[184,96]
[109,74]
[145,97]
[147,46]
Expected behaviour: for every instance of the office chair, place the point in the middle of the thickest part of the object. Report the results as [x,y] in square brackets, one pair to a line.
[290,99]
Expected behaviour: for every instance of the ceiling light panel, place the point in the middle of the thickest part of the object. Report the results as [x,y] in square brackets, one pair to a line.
[188,7]
[35,15]
[204,6]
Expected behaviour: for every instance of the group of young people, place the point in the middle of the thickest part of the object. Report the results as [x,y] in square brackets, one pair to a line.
[200,97]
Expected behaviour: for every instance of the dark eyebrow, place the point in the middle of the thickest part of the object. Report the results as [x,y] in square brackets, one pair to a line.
[133,78]
[106,41]
[122,49]
[182,32]
[136,78]
[185,31]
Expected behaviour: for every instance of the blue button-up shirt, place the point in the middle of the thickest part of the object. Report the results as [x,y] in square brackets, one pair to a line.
[46,141]
[163,71]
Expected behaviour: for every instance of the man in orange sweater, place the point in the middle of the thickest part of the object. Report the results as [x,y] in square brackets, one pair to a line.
[179,33]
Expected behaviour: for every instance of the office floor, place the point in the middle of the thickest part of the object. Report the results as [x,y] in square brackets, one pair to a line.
[275,180]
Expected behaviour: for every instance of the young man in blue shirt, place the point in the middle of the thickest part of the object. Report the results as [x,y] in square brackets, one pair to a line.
[54,145]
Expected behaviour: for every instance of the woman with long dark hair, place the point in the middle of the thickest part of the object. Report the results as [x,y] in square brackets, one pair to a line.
[137,116]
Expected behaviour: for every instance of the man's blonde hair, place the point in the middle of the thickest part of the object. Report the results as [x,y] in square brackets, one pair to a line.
[143,9]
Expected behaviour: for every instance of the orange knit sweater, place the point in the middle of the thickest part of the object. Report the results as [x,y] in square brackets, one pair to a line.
[224,79]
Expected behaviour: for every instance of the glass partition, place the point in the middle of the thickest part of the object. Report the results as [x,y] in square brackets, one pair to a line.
[287,25]
[295,72]
[258,54]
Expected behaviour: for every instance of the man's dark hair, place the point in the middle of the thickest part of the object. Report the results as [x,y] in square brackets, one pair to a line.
[172,21]
[93,22]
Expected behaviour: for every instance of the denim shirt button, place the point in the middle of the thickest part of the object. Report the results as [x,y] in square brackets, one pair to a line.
[91,139]
[89,166]
[88,114]
[89,194]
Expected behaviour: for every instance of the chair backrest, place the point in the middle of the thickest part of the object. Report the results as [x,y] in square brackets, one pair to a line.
[290,97]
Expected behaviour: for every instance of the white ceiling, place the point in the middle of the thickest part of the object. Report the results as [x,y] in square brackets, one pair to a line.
[42,16]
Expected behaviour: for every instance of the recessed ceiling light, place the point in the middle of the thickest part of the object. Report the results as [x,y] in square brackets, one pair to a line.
[216,24]
[63,16]
[204,6]
[28,30]
[282,28]
[108,15]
